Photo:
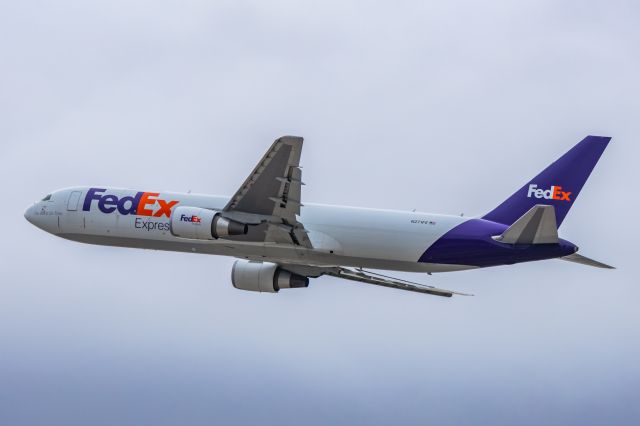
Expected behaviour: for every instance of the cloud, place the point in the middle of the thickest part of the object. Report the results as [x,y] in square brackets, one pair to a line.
[444,107]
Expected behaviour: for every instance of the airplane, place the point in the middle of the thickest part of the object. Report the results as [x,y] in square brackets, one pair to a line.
[281,243]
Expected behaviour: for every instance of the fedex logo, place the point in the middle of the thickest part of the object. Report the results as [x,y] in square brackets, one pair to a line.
[192,219]
[141,204]
[553,193]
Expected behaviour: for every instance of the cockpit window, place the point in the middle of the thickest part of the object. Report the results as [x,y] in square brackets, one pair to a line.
[47,198]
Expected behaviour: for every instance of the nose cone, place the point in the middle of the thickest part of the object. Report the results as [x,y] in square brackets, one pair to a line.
[28,214]
[42,216]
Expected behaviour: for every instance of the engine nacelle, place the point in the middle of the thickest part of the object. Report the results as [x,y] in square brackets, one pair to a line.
[203,224]
[264,277]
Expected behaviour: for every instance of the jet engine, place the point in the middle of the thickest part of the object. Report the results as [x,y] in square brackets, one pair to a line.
[264,277]
[203,224]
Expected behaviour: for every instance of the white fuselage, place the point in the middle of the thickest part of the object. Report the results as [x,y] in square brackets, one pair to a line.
[345,236]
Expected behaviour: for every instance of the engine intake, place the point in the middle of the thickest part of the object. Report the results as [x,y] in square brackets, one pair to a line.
[203,224]
[264,277]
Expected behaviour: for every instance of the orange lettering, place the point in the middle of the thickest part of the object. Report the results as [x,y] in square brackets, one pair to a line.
[142,211]
[165,208]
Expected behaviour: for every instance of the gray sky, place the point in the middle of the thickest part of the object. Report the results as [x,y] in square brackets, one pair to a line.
[441,106]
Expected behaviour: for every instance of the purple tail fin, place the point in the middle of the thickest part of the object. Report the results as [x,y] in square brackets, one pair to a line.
[557,185]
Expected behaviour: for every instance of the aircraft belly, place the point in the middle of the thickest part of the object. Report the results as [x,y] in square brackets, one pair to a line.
[256,251]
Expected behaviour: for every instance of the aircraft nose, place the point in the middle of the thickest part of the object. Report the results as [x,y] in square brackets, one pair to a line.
[28,214]
[40,217]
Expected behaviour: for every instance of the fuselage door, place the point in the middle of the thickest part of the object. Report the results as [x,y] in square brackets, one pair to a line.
[72,203]
[72,221]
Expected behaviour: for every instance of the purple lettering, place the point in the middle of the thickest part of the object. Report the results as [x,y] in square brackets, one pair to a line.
[107,204]
[92,194]
[132,208]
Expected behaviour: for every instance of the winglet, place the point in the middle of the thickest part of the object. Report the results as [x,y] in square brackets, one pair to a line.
[537,226]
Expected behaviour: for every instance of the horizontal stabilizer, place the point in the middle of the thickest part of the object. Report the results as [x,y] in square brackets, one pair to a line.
[537,226]
[577,258]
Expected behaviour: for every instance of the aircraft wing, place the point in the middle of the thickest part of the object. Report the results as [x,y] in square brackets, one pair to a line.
[273,192]
[385,281]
